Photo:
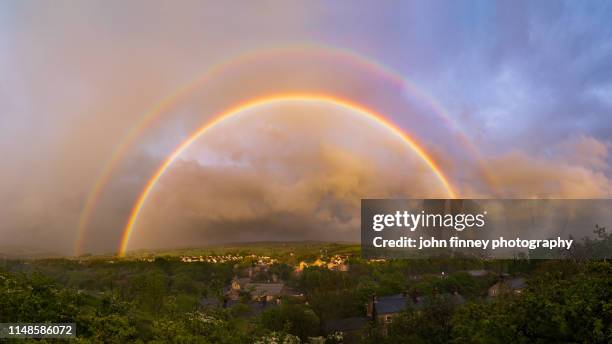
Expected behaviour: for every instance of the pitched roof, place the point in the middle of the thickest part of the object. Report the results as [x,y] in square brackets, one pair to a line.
[288,291]
[424,301]
[261,289]
[242,281]
[391,304]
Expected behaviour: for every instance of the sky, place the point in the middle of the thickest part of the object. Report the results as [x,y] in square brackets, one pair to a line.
[529,84]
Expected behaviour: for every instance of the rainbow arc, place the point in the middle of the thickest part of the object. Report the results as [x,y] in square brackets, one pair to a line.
[356,109]
[148,119]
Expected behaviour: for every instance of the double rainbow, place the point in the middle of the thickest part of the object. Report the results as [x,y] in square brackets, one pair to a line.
[355,109]
[149,118]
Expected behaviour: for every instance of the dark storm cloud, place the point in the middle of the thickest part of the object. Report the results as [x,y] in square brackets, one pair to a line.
[513,73]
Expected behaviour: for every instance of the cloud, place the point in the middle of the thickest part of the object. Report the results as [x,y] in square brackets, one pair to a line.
[282,173]
[576,168]
[518,78]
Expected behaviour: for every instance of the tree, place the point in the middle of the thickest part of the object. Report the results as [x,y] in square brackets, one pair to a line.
[430,324]
[295,319]
[556,308]
[149,291]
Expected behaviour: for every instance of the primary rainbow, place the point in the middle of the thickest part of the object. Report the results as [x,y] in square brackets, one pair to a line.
[357,109]
[167,103]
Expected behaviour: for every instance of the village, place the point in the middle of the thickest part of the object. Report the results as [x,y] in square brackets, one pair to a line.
[319,292]
[256,288]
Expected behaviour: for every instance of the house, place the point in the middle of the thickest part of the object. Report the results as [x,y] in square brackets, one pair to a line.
[240,283]
[290,292]
[300,267]
[319,263]
[513,285]
[267,291]
[336,262]
[236,288]
[384,309]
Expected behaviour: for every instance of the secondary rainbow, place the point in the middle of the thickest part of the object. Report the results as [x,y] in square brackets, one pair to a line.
[167,103]
[357,109]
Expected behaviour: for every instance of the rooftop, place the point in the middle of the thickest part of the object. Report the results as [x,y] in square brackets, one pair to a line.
[260,289]
[391,304]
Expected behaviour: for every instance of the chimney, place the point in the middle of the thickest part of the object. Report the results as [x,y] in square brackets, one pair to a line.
[371,309]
